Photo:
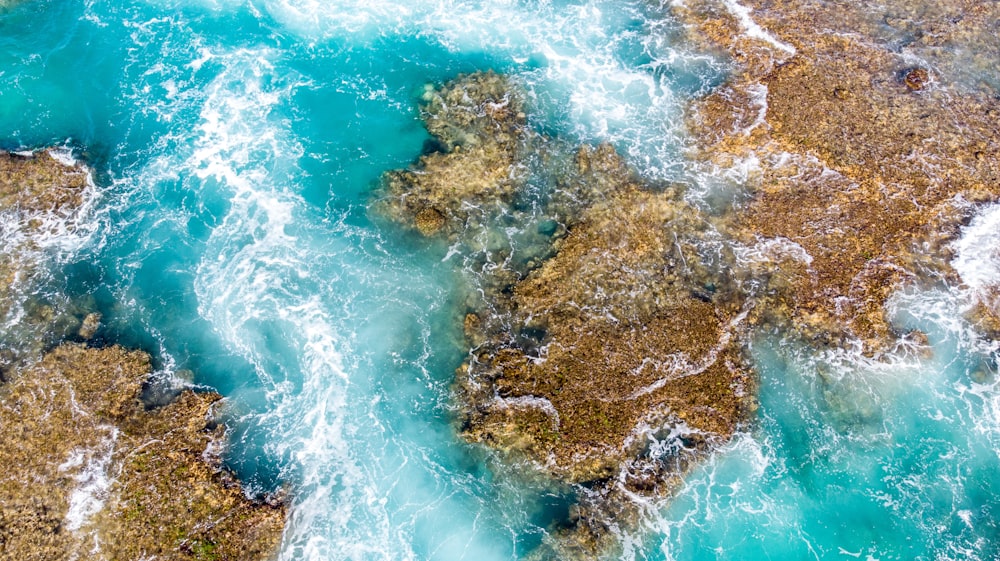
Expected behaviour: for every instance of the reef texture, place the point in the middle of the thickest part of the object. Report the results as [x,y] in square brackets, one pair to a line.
[605,346]
[89,471]
[607,341]
[38,182]
[91,474]
[43,198]
[481,135]
[869,141]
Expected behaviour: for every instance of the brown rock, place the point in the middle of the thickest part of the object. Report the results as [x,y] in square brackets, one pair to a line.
[91,474]
[40,196]
[609,330]
[916,79]
[479,122]
[868,182]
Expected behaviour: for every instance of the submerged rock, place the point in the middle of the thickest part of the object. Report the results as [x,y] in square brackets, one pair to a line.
[91,474]
[44,199]
[89,326]
[606,351]
[985,312]
[916,78]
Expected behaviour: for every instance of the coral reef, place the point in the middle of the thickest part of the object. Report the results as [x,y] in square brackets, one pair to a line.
[606,349]
[92,474]
[868,162]
[43,198]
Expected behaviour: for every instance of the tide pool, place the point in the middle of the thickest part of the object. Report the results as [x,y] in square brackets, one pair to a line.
[238,146]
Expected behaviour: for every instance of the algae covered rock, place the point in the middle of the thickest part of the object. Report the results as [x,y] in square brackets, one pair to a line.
[44,181]
[92,474]
[89,472]
[479,124]
[866,161]
[603,323]
[621,332]
[45,199]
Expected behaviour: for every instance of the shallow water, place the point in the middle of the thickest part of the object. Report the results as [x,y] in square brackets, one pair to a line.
[237,147]
[855,458]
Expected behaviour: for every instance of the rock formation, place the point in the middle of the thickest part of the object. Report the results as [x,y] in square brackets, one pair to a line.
[89,471]
[873,145]
[482,135]
[44,197]
[610,355]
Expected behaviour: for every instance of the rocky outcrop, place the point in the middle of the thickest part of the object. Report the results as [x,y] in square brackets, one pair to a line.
[481,133]
[41,182]
[91,473]
[623,330]
[872,145]
[604,331]
[611,356]
[44,196]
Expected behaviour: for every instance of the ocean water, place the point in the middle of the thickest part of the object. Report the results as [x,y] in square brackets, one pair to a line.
[237,146]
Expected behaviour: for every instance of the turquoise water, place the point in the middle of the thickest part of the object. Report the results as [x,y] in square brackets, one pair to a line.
[237,146]
[855,458]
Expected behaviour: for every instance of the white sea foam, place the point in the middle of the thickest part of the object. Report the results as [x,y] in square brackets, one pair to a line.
[742,13]
[604,68]
[717,492]
[93,481]
[771,250]
[255,285]
[977,250]
[758,97]
[532,402]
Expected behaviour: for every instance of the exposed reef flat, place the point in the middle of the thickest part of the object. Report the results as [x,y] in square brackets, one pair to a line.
[89,471]
[869,144]
[605,341]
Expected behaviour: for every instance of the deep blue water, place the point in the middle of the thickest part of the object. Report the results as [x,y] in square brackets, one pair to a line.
[237,146]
